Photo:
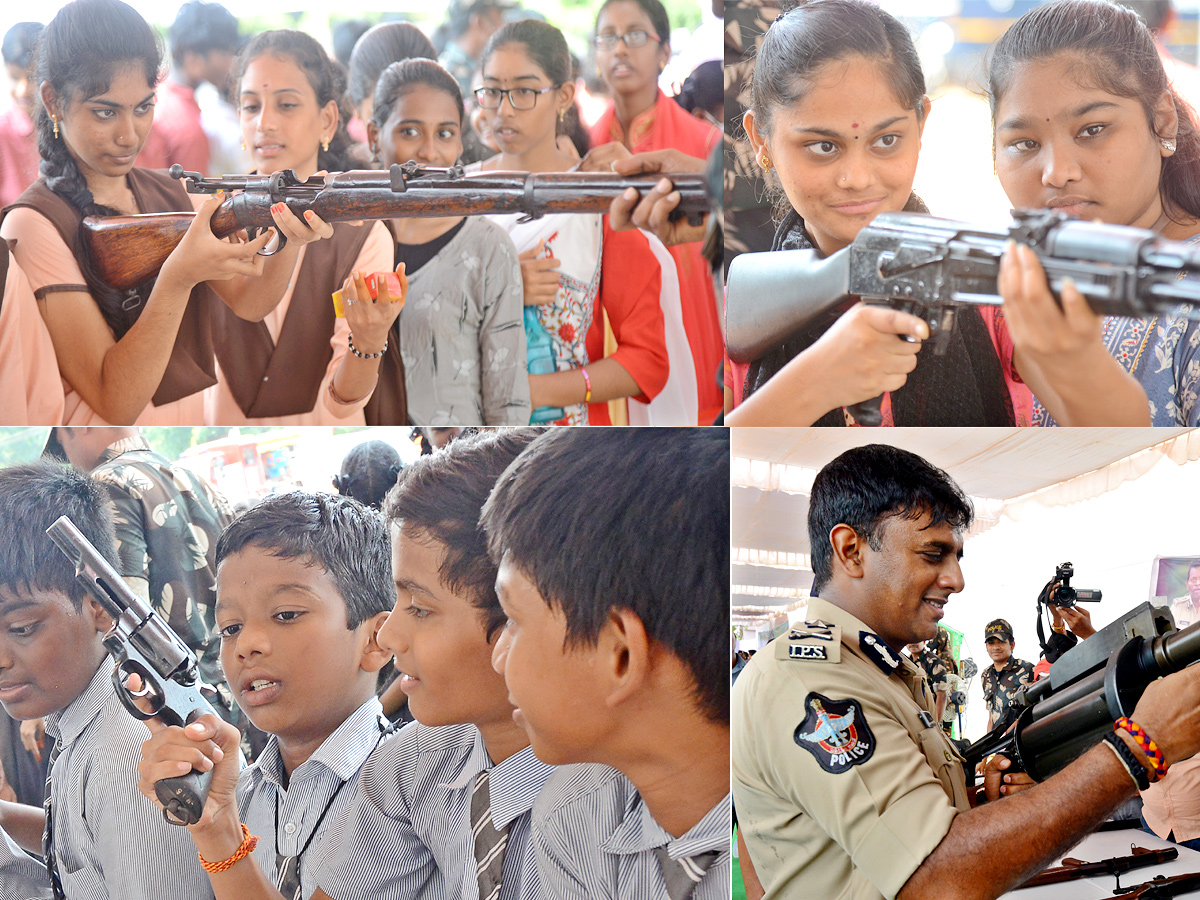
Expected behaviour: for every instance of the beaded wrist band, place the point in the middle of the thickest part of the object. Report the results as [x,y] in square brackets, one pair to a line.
[362,355]
[1135,769]
[587,384]
[249,842]
[1135,731]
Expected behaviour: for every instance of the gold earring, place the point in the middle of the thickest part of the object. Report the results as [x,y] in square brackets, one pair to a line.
[55,121]
[325,145]
[562,115]
[766,162]
[243,146]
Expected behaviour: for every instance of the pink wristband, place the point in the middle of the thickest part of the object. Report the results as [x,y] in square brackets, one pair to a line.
[587,383]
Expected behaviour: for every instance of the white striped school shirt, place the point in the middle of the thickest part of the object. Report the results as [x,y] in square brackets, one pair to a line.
[594,839]
[21,876]
[109,840]
[407,832]
[312,786]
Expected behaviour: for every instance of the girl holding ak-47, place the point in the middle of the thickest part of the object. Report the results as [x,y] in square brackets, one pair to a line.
[1087,122]
[144,355]
[838,109]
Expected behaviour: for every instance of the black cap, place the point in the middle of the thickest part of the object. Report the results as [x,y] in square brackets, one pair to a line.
[998,628]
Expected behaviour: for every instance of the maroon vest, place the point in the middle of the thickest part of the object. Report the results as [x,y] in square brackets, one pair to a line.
[190,368]
[269,379]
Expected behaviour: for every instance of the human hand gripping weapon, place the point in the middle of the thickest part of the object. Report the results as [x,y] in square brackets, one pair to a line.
[1055,720]
[142,644]
[930,267]
[128,250]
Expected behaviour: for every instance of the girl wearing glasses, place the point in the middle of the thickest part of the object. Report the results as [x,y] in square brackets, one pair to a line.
[526,91]
[632,48]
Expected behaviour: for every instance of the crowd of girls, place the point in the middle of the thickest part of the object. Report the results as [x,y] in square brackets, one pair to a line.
[1085,121]
[226,335]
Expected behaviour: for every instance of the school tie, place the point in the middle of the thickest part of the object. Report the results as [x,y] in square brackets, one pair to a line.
[489,843]
[682,875]
[48,833]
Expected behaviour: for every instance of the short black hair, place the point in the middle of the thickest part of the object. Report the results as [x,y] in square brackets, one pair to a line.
[32,497]
[368,472]
[602,520]
[20,42]
[201,28]
[440,496]
[867,485]
[343,537]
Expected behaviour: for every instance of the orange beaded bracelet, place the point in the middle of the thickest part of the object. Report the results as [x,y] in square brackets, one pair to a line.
[249,842]
[1158,764]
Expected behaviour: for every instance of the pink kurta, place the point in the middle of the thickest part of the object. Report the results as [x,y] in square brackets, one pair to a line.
[31,392]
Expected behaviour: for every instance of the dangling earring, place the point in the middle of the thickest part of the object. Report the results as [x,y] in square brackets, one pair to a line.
[325,145]
[55,121]
[243,146]
[562,115]
[766,162]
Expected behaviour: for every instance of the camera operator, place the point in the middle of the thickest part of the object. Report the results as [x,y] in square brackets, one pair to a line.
[1007,673]
[1070,625]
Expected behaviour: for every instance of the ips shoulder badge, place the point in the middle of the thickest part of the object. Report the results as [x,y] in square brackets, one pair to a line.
[811,641]
[835,732]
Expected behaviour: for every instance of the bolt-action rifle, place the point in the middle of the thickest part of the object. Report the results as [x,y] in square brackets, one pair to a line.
[931,267]
[126,251]
[1072,869]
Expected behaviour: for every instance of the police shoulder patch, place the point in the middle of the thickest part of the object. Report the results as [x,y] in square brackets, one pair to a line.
[810,641]
[835,732]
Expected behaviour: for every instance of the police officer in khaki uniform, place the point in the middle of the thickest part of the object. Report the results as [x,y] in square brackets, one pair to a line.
[844,785]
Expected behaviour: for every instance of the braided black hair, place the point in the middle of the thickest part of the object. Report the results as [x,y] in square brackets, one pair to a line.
[79,51]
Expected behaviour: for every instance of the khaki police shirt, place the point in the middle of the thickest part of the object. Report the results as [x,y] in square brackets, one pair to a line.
[1183,611]
[842,781]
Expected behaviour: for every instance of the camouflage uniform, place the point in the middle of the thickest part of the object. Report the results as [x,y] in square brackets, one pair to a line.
[999,687]
[748,224]
[167,523]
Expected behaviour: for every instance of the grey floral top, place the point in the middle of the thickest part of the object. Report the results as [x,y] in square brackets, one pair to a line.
[462,334]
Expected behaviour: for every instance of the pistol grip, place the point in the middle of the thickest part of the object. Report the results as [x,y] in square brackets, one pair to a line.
[183,797]
[868,413]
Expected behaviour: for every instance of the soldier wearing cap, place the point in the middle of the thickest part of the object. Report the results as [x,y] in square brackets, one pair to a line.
[1006,674]
[844,784]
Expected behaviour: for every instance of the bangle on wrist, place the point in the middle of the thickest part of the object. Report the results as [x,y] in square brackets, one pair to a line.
[340,402]
[1158,764]
[587,384]
[362,355]
[249,842]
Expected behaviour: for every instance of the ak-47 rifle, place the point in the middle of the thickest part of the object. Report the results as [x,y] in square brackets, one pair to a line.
[128,250]
[1117,865]
[931,267]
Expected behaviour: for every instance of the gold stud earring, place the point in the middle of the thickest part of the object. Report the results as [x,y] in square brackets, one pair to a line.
[55,121]
[766,162]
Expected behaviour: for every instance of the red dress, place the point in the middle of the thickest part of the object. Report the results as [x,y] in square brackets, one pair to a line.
[668,126]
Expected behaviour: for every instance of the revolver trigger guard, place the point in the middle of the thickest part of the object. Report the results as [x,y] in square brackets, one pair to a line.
[150,690]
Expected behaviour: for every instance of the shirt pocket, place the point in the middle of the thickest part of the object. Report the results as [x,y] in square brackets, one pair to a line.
[947,765]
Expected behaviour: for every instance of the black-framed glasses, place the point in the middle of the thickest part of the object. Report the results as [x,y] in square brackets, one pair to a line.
[518,97]
[632,39]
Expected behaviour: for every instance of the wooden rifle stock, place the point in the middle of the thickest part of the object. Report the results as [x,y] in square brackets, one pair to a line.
[1072,869]
[126,251]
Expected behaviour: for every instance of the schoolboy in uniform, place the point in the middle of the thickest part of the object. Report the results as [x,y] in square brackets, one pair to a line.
[106,841]
[21,876]
[613,553]
[302,590]
[443,808]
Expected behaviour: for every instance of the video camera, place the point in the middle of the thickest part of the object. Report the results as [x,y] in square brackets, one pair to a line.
[1060,593]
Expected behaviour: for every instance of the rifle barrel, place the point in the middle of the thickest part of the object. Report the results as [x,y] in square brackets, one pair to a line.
[127,251]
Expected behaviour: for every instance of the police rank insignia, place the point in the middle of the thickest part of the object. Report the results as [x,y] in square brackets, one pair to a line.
[835,732]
